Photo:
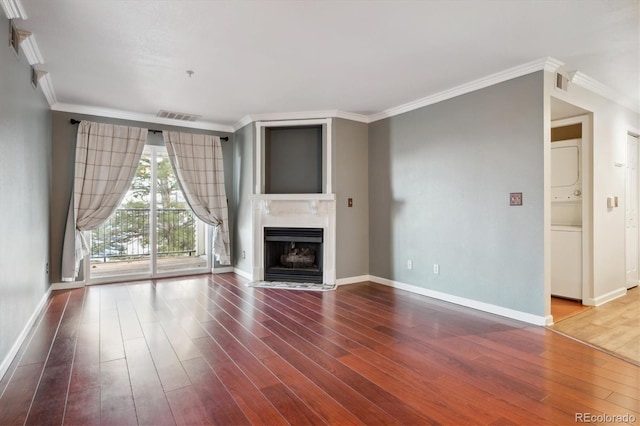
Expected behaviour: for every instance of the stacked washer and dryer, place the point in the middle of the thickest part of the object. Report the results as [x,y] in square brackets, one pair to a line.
[566,219]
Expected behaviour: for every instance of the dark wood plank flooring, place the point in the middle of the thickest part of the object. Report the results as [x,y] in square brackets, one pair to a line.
[210,350]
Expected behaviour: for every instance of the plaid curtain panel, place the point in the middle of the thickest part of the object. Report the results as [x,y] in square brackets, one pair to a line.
[107,157]
[197,163]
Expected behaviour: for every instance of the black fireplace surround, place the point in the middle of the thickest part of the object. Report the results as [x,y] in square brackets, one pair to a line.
[293,254]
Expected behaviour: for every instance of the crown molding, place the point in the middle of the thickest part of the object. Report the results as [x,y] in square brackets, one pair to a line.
[481,83]
[242,122]
[47,88]
[552,64]
[352,116]
[13,9]
[134,116]
[31,50]
[594,86]
[303,115]
[588,83]
[546,64]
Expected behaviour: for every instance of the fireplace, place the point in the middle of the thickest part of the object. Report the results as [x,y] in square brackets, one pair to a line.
[300,217]
[293,254]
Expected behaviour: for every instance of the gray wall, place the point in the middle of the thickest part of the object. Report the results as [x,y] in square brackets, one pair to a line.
[440,179]
[63,157]
[25,170]
[351,180]
[243,182]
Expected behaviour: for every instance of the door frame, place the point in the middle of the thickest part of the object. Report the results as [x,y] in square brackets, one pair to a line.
[632,134]
[587,199]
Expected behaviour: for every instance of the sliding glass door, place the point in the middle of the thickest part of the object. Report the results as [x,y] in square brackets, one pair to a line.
[153,232]
[180,237]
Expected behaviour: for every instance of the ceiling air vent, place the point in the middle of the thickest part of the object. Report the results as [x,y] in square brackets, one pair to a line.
[562,82]
[182,116]
[563,78]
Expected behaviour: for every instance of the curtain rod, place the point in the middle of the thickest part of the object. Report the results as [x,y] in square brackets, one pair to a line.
[74,121]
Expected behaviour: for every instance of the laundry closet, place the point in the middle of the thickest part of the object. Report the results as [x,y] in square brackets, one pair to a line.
[566,211]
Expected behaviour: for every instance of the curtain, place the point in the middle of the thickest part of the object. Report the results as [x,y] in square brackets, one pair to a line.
[107,157]
[197,163]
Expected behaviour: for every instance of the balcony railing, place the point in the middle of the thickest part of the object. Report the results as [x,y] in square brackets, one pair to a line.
[125,235]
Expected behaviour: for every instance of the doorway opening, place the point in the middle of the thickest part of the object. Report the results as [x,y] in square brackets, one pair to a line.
[570,205]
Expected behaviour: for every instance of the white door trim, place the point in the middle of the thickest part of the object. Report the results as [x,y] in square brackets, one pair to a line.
[587,201]
[632,208]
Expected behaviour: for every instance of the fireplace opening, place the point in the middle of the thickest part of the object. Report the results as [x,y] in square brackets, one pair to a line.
[293,254]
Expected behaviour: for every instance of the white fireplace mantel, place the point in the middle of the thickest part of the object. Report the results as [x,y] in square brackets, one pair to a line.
[295,211]
[293,197]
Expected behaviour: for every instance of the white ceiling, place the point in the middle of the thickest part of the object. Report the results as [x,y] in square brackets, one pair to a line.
[364,57]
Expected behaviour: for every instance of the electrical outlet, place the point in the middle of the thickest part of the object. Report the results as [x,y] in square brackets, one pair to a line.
[436,268]
[244,254]
[409,264]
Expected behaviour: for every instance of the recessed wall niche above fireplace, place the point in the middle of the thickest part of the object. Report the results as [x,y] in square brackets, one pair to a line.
[293,160]
[293,157]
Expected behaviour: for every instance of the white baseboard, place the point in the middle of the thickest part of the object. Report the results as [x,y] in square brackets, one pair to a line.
[243,274]
[469,303]
[6,362]
[353,280]
[224,270]
[67,285]
[601,300]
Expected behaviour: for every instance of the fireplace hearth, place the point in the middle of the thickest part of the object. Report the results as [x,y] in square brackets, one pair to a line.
[293,254]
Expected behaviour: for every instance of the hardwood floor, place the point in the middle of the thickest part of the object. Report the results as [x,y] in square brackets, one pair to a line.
[561,309]
[209,350]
